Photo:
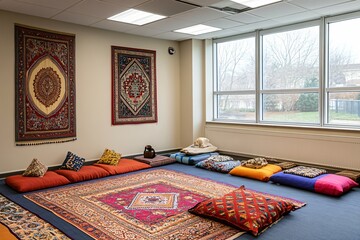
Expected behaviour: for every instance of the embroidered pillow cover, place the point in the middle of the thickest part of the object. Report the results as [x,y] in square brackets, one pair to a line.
[220,158]
[223,167]
[110,157]
[35,169]
[255,163]
[305,171]
[73,162]
[248,210]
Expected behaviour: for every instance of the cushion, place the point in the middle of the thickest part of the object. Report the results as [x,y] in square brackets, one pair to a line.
[24,184]
[247,210]
[350,174]
[295,180]
[158,160]
[220,158]
[124,166]
[305,171]
[286,165]
[262,174]
[110,157]
[72,162]
[35,169]
[201,145]
[258,162]
[334,185]
[191,160]
[85,173]
[223,167]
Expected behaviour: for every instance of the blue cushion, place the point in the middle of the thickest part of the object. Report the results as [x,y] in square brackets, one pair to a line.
[72,162]
[223,167]
[193,159]
[295,180]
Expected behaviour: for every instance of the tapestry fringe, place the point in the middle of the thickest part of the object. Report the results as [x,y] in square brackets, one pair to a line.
[45,142]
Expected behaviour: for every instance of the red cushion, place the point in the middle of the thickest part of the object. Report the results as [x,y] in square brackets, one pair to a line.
[24,184]
[248,210]
[85,173]
[124,166]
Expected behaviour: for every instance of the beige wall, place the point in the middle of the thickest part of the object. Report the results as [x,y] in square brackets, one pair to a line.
[192,75]
[338,149]
[93,99]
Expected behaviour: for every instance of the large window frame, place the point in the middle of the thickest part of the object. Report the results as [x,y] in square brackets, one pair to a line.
[323,90]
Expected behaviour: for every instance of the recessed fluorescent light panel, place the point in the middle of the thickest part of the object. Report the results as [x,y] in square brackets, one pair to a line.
[198,29]
[136,17]
[255,3]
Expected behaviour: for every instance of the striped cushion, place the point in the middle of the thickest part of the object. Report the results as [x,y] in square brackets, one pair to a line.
[191,160]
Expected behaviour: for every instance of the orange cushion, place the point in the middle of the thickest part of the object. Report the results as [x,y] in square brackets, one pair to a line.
[124,166]
[262,174]
[85,173]
[24,184]
[6,234]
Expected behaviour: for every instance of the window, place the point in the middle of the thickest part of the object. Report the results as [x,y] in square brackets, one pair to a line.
[343,84]
[290,80]
[304,74]
[235,86]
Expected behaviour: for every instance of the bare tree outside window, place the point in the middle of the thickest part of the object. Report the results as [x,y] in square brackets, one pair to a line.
[288,84]
[291,62]
[236,75]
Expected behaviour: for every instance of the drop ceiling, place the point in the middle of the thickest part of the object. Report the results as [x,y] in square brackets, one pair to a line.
[231,17]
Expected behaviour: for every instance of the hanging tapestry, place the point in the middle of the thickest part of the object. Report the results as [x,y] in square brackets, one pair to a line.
[133,86]
[45,86]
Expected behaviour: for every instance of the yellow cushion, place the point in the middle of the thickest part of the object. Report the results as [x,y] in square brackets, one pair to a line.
[262,174]
[110,157]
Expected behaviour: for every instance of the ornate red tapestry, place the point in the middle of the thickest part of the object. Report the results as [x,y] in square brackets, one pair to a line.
[45,86]
[133,86]
[151,205]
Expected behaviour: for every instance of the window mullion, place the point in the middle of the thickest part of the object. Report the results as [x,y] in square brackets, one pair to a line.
[258,75]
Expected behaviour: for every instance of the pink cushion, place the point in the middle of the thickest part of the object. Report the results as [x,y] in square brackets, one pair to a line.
[334,185]
[25,184]
[85,173]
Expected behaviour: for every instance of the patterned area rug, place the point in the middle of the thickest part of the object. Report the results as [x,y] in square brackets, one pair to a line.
[22,224]
[151,205]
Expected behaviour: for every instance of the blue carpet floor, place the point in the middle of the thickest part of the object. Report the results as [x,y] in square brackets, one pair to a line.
[323,218]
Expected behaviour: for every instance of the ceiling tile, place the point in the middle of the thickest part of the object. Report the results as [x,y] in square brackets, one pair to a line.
[63,4]
[95,8]
[114,26]
[298,17]
[168,24]
[339,8]
[217,34]
[256,26]
[145,31]
[30,9]
[124,4]
[165,7]
[311,4]
[223,23]
[76,18]
[204,3]
[200,15]
[245,18]
[276,10]
[173,36]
